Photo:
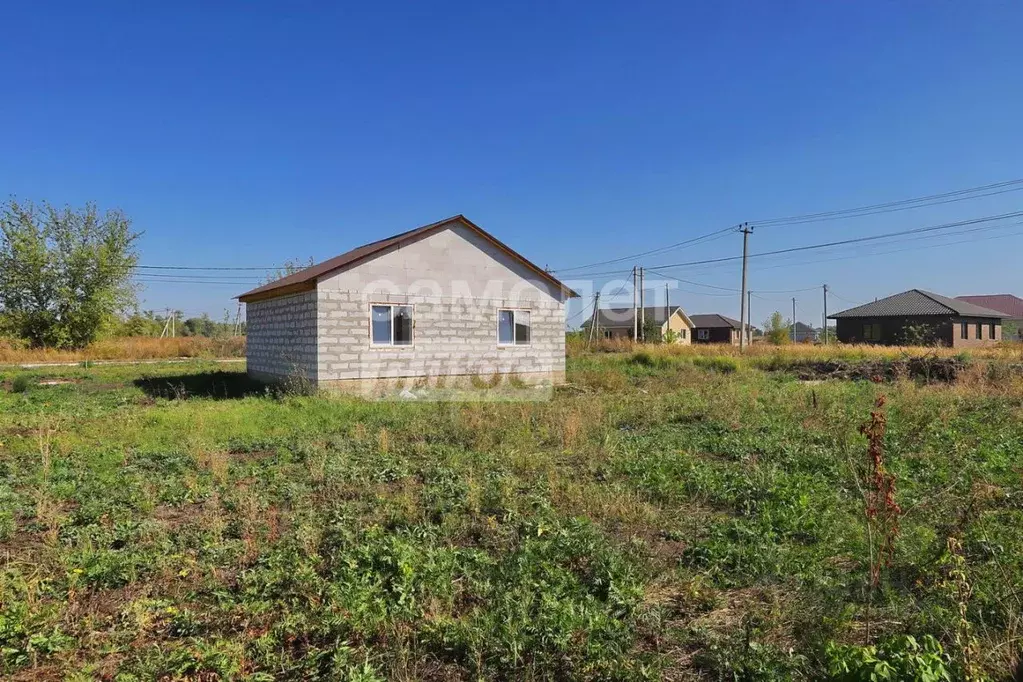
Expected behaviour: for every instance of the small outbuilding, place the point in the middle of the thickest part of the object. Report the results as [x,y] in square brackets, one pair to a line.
[918,317]
[444,300]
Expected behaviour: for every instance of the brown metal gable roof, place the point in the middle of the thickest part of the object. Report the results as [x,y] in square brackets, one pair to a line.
[304,280]
[1003,303]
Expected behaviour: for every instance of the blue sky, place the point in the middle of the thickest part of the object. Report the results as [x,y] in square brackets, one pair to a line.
[241,134]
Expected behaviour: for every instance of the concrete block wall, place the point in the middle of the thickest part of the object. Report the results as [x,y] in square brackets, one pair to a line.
[281,337]
[451,337]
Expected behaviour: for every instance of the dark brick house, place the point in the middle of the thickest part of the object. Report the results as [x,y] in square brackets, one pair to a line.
[919,317]
[715,329]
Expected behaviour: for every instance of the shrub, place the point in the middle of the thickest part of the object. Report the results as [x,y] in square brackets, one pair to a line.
[717,364]
[21,383]
[901,658]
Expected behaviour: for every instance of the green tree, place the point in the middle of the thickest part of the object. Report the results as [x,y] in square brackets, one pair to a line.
[777,329]
[290,267]
[64,273]
[651,332]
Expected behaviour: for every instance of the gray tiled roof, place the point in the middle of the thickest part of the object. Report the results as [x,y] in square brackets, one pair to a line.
[714,321]
[916,302]
[622,317]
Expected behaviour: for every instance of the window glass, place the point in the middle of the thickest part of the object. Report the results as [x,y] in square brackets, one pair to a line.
[964,330]
[521,327]
[980,331]
[867,333]
[877,332]
[381,324]
[402,316]
[505,326]
[992,336]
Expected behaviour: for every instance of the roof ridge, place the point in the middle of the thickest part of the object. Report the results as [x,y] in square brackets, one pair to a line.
[306,278]
[937,299]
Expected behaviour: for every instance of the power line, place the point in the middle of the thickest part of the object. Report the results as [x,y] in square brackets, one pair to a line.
[687,242]
[860,211]
[712,286]
[193,267]
[900,205]
[856,240]
[902,250]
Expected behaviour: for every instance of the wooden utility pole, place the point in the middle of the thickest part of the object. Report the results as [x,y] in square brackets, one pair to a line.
[793,319]
[642,305]
[635,304]
[745,229]
[825,314]
[238,320]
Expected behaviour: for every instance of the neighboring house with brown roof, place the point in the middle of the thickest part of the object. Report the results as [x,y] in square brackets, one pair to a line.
[617,323]
[1011,306]
[919,317]
[443,300]
[716,328]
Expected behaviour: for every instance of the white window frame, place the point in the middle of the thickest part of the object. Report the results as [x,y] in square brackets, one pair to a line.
[608,334]
[703,335]
[392,306]
[514,343]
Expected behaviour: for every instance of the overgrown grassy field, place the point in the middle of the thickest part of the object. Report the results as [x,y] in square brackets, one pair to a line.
[666,516]
[127,348]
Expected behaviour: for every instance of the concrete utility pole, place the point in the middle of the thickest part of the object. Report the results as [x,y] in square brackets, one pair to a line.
[166,322]
[635,304]
[667,308]
[749,314]
[793,319]
[238,320]
[825,314]
[593,317]
[745,229]
[642,304]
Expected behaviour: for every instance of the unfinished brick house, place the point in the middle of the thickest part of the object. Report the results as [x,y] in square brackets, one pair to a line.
[917,317]
[443,300]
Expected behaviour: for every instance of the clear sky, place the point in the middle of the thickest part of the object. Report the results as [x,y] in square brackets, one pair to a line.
[241,134]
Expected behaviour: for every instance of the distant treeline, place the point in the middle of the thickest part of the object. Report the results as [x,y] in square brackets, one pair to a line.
[148,323]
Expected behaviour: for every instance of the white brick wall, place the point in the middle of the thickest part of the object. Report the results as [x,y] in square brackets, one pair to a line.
[449,338]
[456,282]
[281,336]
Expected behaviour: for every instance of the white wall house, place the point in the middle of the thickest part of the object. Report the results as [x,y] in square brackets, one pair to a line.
[444,300]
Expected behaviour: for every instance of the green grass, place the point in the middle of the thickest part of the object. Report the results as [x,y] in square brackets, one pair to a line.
[661,517]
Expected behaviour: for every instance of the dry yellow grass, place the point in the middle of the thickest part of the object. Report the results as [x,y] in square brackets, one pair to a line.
[129,348]
[797,351]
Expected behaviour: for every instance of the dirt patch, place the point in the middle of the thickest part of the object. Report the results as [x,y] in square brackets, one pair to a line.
[174,517]
[241,454]
[927,369]
[20,432]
